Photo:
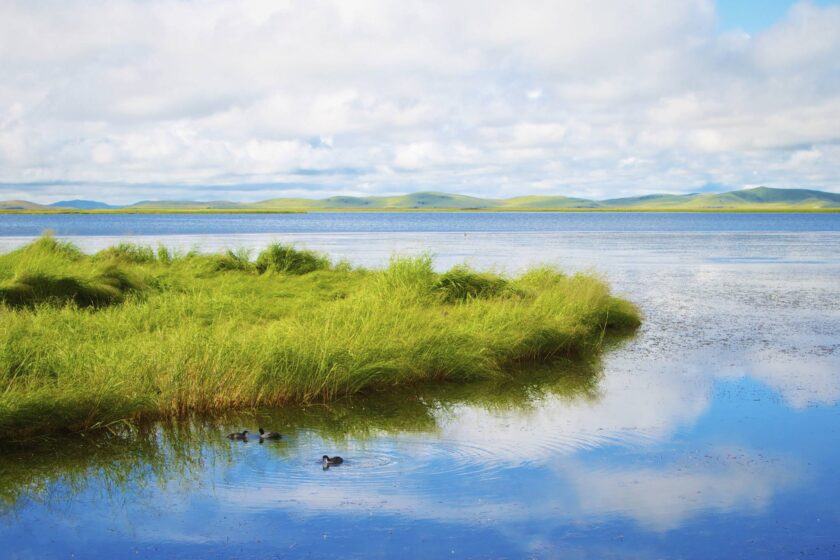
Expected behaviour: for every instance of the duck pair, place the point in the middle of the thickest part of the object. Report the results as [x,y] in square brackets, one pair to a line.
[243,435]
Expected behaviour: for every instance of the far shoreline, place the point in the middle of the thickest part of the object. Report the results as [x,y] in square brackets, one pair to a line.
[122,211]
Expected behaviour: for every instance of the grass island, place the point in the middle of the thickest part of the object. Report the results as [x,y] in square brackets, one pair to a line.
[132,333]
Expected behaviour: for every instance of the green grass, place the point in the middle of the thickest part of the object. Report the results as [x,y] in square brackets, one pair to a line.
[287,259]
[133,333]
[461,284]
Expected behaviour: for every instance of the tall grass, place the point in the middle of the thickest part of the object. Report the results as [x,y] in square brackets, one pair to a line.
[201,333]
[460,284]
[53,272]
[285,258]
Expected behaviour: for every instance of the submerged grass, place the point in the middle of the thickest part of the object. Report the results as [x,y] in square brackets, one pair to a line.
[132,333]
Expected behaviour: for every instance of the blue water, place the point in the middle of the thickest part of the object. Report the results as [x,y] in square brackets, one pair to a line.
[217,224]
[711,434]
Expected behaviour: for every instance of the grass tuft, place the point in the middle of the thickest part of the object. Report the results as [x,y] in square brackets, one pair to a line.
[128,252]
[285,258]
[461,284]
[239,260]
[108,287]
[47,246]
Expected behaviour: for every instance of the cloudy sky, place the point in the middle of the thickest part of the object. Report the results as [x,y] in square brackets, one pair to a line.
[246,100]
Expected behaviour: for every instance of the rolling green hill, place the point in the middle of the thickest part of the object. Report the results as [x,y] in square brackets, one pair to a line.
[748,198]
[186,205]
[21,205]
[800,198]
[649,201]
[546,202]
[760,198]
[434,200]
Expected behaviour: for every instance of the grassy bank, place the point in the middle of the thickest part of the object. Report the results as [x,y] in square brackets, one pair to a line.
[132,333]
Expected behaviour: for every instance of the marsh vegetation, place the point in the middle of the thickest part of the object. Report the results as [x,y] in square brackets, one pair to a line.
[133,333]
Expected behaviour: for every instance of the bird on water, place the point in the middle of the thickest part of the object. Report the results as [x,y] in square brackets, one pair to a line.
[327,461]
[270,435]
[241,436]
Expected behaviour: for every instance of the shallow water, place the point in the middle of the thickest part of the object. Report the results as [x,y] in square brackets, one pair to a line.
[711,434]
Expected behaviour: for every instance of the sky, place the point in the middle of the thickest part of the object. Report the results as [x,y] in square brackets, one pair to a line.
[126,100]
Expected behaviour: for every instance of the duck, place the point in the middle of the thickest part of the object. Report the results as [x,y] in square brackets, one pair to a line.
[270,435]
[327,461]
[241,436]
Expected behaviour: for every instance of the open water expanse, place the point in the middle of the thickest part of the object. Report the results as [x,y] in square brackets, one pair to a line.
[713,433]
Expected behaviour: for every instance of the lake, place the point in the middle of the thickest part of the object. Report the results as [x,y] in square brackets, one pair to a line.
[713,433]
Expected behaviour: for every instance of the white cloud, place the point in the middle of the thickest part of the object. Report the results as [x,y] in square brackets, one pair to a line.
[662,499]
[413,95]
[659,498]
[534,94]
[802,381]
[635,407]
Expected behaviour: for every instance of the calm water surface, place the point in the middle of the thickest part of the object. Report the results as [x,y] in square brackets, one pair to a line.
[711,434]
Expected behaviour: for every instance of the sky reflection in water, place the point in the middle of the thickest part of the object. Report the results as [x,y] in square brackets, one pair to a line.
[711,434]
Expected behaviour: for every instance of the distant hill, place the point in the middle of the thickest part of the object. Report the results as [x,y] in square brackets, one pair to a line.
[547,202]
[783,197]
[83,205]
[428,200]
[435,200]
[649,201]
[763,197]
[748,198]
[756,198]
[20,205]
[186,205]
